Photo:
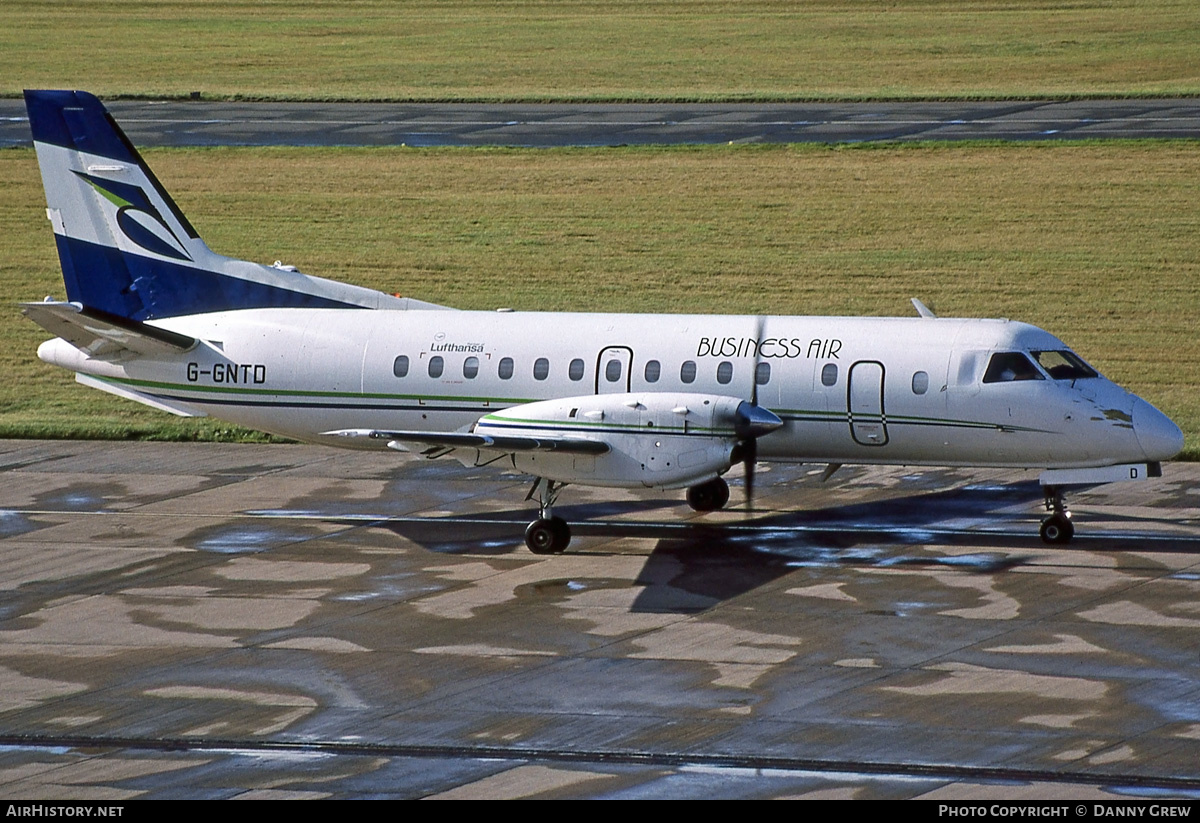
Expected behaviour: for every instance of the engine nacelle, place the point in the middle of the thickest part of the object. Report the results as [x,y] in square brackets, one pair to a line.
[655,439]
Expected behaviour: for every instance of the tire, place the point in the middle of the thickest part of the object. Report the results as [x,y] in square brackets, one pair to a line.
[540,537]
[562,534]
[1057,529]
[548,536]
[709,496]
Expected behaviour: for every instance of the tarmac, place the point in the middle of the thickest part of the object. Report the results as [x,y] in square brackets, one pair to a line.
[274,621]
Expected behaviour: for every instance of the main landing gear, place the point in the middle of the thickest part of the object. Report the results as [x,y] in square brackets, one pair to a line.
[1057,528]
[551,535]
[548,534]
[709,496]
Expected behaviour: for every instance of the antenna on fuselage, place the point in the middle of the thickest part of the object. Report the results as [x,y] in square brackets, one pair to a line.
[922,309]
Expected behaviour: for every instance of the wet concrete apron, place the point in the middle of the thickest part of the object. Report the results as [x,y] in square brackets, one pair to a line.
[197,620]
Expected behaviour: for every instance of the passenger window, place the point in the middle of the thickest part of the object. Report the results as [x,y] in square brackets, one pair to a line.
[471,368]
[762,374]
[724,372]
[541,368]
[653,371]
[575,370]
[400,366]
[612,371]
[1006,367]
[920,382]
[436,365]
[829,375]
[687,372]
[506,368]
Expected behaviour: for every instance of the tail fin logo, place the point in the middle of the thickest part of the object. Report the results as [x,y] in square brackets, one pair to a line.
[137,218]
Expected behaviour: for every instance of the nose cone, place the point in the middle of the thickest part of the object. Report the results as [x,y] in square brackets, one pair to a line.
[1159,438]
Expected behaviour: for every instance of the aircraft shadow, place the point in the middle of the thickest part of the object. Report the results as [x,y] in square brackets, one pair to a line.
[695,565]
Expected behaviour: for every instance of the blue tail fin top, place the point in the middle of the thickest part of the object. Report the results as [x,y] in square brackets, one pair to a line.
[77,120]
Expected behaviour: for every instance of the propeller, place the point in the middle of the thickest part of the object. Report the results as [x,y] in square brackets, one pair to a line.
[753,420]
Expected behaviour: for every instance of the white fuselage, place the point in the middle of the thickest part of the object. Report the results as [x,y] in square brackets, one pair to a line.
[849,390]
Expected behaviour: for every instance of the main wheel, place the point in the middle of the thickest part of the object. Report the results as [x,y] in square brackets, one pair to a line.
[548,535]
[709,496]
[1057,528]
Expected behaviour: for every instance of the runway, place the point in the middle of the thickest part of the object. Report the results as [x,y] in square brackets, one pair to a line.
[212,621]
[209,123]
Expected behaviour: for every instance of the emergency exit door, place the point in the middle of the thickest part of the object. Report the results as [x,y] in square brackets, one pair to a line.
[864,401]
[613,370]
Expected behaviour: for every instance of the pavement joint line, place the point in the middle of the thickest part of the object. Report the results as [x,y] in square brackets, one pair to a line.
[932,771]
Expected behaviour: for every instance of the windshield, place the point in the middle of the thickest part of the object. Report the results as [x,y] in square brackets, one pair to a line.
[1007,366]
[1064,364]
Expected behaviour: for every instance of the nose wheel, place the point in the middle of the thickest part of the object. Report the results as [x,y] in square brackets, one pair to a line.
[1057,528]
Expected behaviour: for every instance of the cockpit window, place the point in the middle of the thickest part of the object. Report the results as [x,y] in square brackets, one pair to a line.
[1064,364]
[1008,366]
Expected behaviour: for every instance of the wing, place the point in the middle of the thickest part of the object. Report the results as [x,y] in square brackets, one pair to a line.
[662,439]
[496,443]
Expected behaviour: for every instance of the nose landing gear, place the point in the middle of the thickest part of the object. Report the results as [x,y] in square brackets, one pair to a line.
[1057,528]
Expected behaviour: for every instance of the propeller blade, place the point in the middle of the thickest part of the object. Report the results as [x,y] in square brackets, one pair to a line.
[759,322]
[753,421]
[750,461]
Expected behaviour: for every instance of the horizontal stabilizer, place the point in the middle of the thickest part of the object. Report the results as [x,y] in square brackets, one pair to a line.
[455,440]
[99,334]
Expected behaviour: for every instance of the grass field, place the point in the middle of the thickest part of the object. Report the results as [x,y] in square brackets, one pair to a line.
[615,50]
[1098,242]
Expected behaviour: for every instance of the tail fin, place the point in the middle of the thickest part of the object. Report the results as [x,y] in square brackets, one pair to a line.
[125,247]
